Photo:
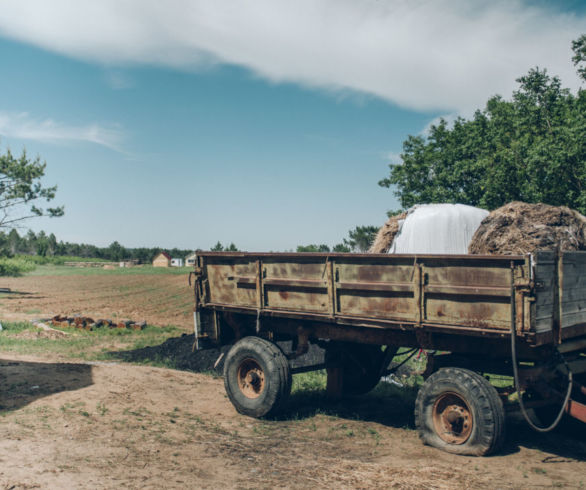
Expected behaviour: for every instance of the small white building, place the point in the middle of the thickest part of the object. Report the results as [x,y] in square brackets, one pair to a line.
[176,262]
[190,259]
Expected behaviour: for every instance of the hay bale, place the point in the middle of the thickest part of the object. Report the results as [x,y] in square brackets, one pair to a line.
[518,228]
[386,234]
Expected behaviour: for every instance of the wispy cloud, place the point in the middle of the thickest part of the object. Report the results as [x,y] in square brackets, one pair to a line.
[447,55]
[393,158]
[23,126]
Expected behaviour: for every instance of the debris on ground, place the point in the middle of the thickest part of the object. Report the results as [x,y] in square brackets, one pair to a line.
[519,228]
[87,323]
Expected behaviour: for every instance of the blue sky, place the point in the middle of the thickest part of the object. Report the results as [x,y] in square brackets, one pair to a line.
[266,124]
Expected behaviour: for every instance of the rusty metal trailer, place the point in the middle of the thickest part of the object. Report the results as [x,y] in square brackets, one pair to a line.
[518,316]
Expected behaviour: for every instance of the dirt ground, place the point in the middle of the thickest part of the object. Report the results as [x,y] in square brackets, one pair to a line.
[160,299]
[106,425]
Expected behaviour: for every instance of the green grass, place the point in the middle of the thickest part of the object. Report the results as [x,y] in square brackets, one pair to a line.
[99,344]
[57,260]
[63,270]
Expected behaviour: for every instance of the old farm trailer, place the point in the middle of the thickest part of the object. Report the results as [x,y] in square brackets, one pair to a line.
[518,316]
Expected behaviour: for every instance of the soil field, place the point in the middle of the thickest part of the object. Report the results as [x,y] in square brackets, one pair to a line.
[102,425]
[160,299]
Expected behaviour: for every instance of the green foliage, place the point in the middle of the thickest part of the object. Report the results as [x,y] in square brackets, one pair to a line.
[20,186]
[360,238]
[218,247]
[579,58]
[38,247]
[15,267]
[341,247]
[530,148]
[313,248]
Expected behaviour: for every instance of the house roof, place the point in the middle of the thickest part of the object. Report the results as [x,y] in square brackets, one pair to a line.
[165,254]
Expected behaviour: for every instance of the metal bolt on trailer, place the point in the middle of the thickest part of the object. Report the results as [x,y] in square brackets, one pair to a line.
[519,316]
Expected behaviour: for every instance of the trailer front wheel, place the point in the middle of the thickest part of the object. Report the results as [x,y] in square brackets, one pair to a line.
[460,412]
[257,377]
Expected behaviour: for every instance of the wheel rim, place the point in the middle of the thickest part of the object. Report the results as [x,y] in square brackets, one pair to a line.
[452,418]
[251,378]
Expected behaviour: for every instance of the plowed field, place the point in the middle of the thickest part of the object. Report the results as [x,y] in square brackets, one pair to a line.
[160,299]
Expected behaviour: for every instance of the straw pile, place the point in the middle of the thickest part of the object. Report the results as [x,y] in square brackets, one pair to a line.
[518,228]
[386,234]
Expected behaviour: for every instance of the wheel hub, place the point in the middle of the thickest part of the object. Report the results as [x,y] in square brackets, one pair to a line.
[251,378]
[452,418]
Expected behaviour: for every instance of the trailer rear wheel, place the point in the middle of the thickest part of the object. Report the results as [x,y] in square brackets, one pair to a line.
[460,412]
[359,365]
[257,377]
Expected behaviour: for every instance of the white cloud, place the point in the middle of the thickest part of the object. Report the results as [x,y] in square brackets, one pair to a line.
[448,55]
[393,158]
[24,126]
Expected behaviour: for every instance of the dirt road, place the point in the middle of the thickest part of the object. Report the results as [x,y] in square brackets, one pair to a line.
[68,425]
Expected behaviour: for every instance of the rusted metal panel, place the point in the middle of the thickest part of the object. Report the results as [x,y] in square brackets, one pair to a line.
[376,288]
[462,292]
[468,295]
[475,293]
[573,297]
[296,285]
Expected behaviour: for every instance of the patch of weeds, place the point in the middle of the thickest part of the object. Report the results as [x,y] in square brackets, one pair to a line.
[375,435]
[101,409]
[539,471]
[70,407]
[311,381]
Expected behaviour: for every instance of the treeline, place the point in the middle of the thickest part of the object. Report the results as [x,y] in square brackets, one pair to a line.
[359,240]
[42,245]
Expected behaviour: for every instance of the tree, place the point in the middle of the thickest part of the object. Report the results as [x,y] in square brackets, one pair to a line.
[116,252]
[360,238]
[217,247]
[51,244]
[341,247]
[21,189]
[313,248]
[579,58]
[42,244]
[530,148]
[14,241]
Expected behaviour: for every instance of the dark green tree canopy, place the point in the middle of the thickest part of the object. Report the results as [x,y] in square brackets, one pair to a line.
[531,148]
[21,189]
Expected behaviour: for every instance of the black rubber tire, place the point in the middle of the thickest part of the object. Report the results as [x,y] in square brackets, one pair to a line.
[488,416]
[277,377]
[361,365]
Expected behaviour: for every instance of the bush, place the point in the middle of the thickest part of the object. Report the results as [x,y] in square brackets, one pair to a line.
[15,267]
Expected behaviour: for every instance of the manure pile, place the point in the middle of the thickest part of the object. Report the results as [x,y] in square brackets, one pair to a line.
[386,234]
[518,228]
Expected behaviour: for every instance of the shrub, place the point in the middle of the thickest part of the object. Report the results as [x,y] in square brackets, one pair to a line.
[15,267]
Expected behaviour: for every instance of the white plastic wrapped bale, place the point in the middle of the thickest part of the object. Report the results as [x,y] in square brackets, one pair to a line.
[437,229]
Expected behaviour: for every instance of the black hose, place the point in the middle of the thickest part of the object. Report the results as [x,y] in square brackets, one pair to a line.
[516,376]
